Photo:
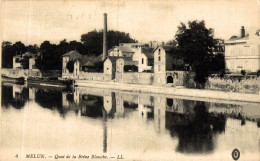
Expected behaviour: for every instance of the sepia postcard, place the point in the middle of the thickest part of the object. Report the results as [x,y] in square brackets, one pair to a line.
[173,80]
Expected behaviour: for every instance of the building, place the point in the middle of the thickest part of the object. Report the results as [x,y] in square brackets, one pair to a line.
[145,58]
[220,47]
[154,44]
[243,52]
[110,66]
[121,51]
[134,46]
[17,60]
[69,56]
[166,59]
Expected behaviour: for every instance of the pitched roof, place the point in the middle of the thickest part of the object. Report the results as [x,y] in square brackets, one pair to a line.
[124,49]
[115,58]
[70,53]
[167,48]
[240,38]
[89,60]
[148,52]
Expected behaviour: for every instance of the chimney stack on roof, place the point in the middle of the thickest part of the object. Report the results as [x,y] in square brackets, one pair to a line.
[105,37]
[242,32]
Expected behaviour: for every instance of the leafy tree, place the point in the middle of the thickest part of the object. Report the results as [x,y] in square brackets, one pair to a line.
[70,66]
[7,54]
[75,45]
[25,62]
[218,63]
[49,59]
[172,42]
[33,48]
[19,47]
[93,40]
[196,42]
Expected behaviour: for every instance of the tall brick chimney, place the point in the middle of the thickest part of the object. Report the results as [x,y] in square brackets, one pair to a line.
[242,32]
[105,37]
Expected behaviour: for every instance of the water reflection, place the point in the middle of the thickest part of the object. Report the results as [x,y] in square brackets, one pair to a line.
[195,124]
[15,96]
[196,131]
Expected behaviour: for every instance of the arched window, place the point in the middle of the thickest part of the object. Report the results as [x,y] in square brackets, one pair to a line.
[159,51]
[159,58]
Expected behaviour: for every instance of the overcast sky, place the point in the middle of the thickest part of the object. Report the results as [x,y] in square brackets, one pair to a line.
[35,21]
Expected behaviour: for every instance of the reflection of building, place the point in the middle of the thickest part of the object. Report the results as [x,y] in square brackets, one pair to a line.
[243,53]
[65,102]
[32,92]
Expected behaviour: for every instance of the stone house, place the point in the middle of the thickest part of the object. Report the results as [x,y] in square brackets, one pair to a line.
[18,58]
[243,52]
[145,58]
[165,60]
[109,65]
[71,55]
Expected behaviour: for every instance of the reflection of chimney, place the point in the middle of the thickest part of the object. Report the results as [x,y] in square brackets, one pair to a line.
[105,37]
[242,32]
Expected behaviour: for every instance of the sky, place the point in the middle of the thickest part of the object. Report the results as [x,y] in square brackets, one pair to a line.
[34,21]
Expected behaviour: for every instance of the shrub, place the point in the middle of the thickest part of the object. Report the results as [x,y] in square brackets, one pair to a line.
[243,72]
[258,73]
[70,66]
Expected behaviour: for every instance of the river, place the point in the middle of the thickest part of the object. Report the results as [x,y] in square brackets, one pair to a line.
[54,122]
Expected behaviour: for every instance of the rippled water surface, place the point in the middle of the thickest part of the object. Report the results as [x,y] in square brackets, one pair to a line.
[92,121]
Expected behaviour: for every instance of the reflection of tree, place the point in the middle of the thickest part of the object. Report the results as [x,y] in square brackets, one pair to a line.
[18,101]
[91,106]
[50,99]
[195,131]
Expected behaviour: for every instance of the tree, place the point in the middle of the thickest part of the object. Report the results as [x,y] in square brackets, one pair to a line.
[49,59]
[33,48]
[25,62]
[172,42]
[70,66]
[93,40]
[197,43]
[7,54]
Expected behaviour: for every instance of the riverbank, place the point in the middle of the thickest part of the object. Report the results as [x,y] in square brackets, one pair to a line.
[178,91]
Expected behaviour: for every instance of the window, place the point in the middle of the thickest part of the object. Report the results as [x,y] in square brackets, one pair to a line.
[159,58]
[142,60]
[159,51]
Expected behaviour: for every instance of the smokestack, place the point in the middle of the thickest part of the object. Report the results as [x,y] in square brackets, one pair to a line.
[242,32]
[105,37]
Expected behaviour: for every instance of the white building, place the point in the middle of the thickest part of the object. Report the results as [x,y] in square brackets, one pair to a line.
[243,53]
[145,58]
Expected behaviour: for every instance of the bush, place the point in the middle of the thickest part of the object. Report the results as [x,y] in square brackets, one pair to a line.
[70,66]
[243,72]
[258,73]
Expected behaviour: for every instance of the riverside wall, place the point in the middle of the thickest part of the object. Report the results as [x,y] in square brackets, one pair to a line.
[21,72]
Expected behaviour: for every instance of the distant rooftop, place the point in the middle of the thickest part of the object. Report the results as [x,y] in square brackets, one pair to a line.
[70,53]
